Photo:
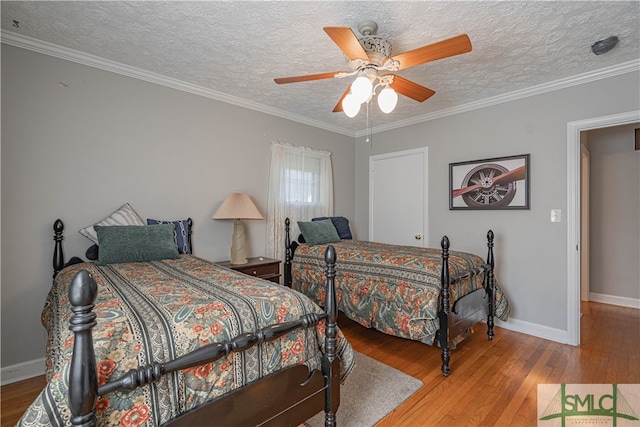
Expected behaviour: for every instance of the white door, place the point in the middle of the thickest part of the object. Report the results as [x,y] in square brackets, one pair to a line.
[398,197]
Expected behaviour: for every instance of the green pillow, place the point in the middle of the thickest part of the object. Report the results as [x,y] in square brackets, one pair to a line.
[133,243]
[318,232]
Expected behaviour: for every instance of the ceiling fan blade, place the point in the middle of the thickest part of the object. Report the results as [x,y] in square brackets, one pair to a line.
[442,49]
[347,41]
[338,106]
[297,79]
[411,89]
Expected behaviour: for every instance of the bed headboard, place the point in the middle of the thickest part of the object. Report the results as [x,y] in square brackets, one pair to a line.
[58,253]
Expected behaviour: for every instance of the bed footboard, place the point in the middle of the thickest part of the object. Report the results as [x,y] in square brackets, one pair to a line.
[299,393]
[445,315]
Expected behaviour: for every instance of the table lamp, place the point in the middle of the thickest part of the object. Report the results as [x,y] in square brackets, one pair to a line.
[238,206]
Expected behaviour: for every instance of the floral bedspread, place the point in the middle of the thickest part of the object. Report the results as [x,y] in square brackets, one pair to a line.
[391,288]
[157,311]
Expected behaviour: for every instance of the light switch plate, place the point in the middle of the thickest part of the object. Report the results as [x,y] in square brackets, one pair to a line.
[556,215]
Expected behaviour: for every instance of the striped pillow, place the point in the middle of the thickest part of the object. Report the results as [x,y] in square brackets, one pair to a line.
[125,215]
[180,233]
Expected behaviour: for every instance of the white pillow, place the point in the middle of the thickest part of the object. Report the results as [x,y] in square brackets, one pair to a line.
[125,215]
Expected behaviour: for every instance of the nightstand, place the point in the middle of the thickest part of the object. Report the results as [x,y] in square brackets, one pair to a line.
[265,268]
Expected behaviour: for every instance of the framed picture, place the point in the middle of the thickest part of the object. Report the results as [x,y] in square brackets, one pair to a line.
[498,183]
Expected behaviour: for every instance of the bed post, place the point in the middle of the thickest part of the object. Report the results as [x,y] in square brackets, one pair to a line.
[490,286]
[190,236]
[83,380]
[443,312]
[287,254]
[58,255]
[331,366]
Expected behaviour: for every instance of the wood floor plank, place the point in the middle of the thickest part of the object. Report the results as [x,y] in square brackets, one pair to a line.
[492,383]
[17,397]
[529,385]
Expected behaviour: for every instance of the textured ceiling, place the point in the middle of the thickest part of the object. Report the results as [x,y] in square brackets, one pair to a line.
[236,48]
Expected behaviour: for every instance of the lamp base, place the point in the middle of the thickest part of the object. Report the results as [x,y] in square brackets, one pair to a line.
[238,248]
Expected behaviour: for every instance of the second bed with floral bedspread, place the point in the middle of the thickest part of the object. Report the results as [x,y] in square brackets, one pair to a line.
[394,289]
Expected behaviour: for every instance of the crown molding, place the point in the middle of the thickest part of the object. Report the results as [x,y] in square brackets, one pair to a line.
[60,52]
[603,73]
[54,50]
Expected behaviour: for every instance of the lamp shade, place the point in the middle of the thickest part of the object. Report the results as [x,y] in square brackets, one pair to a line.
[237,206]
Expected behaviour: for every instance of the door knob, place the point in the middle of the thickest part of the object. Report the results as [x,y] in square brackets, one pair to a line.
[418,237]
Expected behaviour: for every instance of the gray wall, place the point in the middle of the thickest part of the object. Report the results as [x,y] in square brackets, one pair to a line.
[614,212]
[79,151]
[531,252]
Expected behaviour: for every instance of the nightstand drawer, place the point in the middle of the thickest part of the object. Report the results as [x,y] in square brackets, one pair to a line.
[261,270]
[264,268]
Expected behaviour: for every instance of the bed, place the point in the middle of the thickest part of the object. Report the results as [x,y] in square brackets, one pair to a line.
[182,341]
[434,296]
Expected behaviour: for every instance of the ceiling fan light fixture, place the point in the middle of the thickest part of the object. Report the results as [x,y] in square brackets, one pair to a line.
[350,106]
[361,89]
[387,100]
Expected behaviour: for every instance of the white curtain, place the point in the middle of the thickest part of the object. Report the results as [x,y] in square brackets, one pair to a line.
[300,188]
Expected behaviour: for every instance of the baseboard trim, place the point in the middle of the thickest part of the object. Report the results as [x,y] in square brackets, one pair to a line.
[535,330]
[22,371]
[614,300]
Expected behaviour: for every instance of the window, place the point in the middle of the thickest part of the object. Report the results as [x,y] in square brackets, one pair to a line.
[300,188]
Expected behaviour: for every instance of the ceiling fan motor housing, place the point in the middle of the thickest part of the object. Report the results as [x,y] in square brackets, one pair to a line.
[377,48]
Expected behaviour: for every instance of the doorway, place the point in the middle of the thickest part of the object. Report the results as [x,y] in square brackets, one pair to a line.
[574,221]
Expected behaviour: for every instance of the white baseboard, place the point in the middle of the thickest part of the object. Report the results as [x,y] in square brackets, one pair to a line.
[614,300]
[21,371]
[535,330]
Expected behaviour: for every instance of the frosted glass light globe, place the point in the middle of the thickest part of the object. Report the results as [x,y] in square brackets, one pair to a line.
[350,105]
[361,88]
[387,100]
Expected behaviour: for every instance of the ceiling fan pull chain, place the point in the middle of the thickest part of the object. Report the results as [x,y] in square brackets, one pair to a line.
[369,126]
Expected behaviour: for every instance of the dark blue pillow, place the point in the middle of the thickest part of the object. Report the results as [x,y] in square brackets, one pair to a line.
[92,252]
[180,233]
[340,223]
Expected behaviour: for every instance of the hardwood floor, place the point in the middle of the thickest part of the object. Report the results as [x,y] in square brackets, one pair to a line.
[491,383]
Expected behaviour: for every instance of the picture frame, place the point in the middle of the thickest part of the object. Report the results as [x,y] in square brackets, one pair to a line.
[495,183]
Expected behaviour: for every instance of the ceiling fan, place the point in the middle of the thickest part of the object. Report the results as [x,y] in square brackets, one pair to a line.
[370,59]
